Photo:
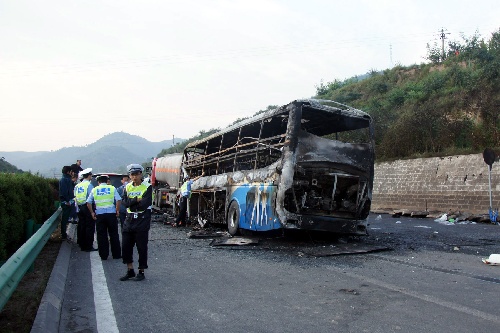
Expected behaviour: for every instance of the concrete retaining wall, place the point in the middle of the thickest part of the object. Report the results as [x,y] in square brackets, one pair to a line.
[453,183]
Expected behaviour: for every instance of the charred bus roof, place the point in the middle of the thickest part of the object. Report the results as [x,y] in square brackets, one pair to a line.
[319,117]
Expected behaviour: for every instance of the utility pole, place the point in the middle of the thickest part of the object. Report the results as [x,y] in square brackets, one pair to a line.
[443,37]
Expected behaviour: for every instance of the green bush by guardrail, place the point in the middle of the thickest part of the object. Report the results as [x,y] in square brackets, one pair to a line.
[22,197]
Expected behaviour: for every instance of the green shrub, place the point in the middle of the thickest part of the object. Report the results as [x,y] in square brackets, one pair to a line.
[22,196]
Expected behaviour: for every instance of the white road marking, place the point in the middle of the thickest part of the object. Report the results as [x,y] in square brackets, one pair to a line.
[424,297]
[105,315]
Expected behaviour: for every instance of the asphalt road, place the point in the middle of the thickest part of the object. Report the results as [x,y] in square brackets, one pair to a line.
[419,276]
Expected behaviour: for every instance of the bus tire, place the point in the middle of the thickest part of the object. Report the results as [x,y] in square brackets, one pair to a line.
[233,218]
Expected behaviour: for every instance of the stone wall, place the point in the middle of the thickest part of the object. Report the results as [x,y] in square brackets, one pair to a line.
[453,183]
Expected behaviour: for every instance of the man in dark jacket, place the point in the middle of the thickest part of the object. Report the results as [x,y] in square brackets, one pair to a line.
[77,167]
[66,197]
[138,200]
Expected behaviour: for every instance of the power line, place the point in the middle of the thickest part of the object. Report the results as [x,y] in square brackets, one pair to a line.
[331,45]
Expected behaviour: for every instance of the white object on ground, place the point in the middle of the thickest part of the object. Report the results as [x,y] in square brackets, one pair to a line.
[443,218]
[493,260]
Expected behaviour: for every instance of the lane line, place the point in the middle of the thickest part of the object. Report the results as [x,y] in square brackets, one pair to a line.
[424,297]
[437,269]
[105,315]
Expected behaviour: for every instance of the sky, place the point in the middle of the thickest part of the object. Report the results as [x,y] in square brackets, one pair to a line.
[74,71]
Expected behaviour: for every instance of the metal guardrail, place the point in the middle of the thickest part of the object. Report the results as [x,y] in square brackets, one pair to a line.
[18,264]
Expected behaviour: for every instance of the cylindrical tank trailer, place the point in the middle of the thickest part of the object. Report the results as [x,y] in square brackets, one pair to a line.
[165,179]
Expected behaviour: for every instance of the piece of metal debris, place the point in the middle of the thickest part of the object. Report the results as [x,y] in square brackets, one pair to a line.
[205,234]
[234,241]
[344,249]
[349,291]
[202,222]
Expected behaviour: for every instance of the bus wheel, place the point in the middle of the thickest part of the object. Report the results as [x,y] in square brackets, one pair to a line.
[233,218]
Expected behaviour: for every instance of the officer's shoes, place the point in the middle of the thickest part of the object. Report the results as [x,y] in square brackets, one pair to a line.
[140,276]
[130,274]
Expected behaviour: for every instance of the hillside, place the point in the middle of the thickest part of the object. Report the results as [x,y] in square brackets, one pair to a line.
[446,107]
[111,153]
[7,167]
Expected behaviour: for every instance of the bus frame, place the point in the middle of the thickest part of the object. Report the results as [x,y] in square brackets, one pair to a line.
[287,168]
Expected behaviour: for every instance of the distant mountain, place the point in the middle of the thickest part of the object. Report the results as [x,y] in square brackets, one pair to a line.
[7,167]
[111,153]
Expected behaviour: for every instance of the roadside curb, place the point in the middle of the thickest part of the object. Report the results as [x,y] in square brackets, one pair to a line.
[48,316]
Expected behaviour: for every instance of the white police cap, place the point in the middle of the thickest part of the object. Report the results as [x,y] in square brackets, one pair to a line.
[134,168]
[84,172]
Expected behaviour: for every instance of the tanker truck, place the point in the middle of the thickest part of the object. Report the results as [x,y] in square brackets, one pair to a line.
[166,179]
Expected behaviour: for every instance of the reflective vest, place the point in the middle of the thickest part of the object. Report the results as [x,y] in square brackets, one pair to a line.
[81,192]
[135,192]
[104,196]
[186,189]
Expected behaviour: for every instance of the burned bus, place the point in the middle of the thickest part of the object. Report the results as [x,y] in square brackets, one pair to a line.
[306,165]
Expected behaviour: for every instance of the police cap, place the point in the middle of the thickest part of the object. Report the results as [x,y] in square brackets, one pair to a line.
[133,168]
[102,178]
[84,173]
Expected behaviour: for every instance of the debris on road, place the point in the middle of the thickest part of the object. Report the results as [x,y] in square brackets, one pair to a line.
[493,260]
[405,212]
[350,248]
[443,218]
[206,234]
[419,214]
[234,241]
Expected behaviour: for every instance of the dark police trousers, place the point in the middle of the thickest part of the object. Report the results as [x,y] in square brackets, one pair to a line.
[107,224]
[182,210]
[136,233]
[85,228]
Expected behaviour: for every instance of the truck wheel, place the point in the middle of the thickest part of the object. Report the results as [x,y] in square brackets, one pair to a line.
[233,218]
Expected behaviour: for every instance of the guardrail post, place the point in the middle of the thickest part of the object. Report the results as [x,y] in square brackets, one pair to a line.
[28,229]
[28,232]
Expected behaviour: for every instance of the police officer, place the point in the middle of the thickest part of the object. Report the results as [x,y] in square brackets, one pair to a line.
[86,224]
[138,200]
[106,212]
[185,194]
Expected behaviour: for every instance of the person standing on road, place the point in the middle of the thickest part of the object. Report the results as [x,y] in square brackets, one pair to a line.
[66,197]
[73,215]
[121,190]
[138,200]
[106,216]
[185,194]
[86,224]
[77,167]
